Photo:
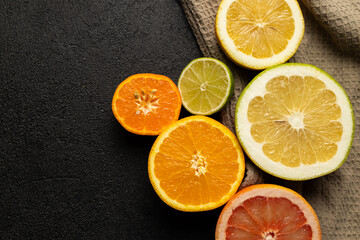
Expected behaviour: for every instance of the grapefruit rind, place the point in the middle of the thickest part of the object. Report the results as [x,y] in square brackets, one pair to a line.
[156,182]
[253,149]
[267,190]
[248,61]
[229,91]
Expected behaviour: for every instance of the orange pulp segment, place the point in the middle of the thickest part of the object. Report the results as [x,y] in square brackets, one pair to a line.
[196,164]
[146,103]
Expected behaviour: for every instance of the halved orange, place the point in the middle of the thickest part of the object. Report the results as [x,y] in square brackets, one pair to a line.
[196,164]
[268,212]
[146,103]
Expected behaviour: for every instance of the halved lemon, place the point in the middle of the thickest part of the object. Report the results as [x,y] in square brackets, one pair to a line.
[196,164]
[295,121]
[259,34]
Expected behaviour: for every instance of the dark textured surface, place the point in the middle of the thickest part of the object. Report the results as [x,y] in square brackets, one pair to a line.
[68,170]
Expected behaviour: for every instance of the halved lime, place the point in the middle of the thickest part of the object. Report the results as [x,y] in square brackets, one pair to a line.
[295,121]
[205,86]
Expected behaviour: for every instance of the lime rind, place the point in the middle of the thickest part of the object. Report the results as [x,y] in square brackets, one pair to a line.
[224,99]
[239,118]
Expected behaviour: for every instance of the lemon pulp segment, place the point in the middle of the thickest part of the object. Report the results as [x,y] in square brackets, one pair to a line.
[261,28]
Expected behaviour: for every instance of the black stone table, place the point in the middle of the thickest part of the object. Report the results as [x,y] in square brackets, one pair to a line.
[68,170]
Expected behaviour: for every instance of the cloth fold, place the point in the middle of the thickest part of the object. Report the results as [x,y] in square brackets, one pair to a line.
[341,19]
[331,42]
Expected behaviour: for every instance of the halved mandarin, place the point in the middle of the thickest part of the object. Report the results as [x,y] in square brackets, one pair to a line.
[196,164]
[295,122]
[146,104]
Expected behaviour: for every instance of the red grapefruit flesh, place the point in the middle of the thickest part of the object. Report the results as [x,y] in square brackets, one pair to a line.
[268,212]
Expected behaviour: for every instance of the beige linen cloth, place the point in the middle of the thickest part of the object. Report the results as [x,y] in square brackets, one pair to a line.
[332,43]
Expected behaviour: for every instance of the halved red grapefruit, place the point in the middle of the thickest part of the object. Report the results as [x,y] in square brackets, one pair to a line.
[267,212]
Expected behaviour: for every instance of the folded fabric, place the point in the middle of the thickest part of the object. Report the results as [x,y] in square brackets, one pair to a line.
[341,19]
[331,42]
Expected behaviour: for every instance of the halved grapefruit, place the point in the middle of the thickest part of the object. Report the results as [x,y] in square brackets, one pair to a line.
[295,122]
[267,212]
